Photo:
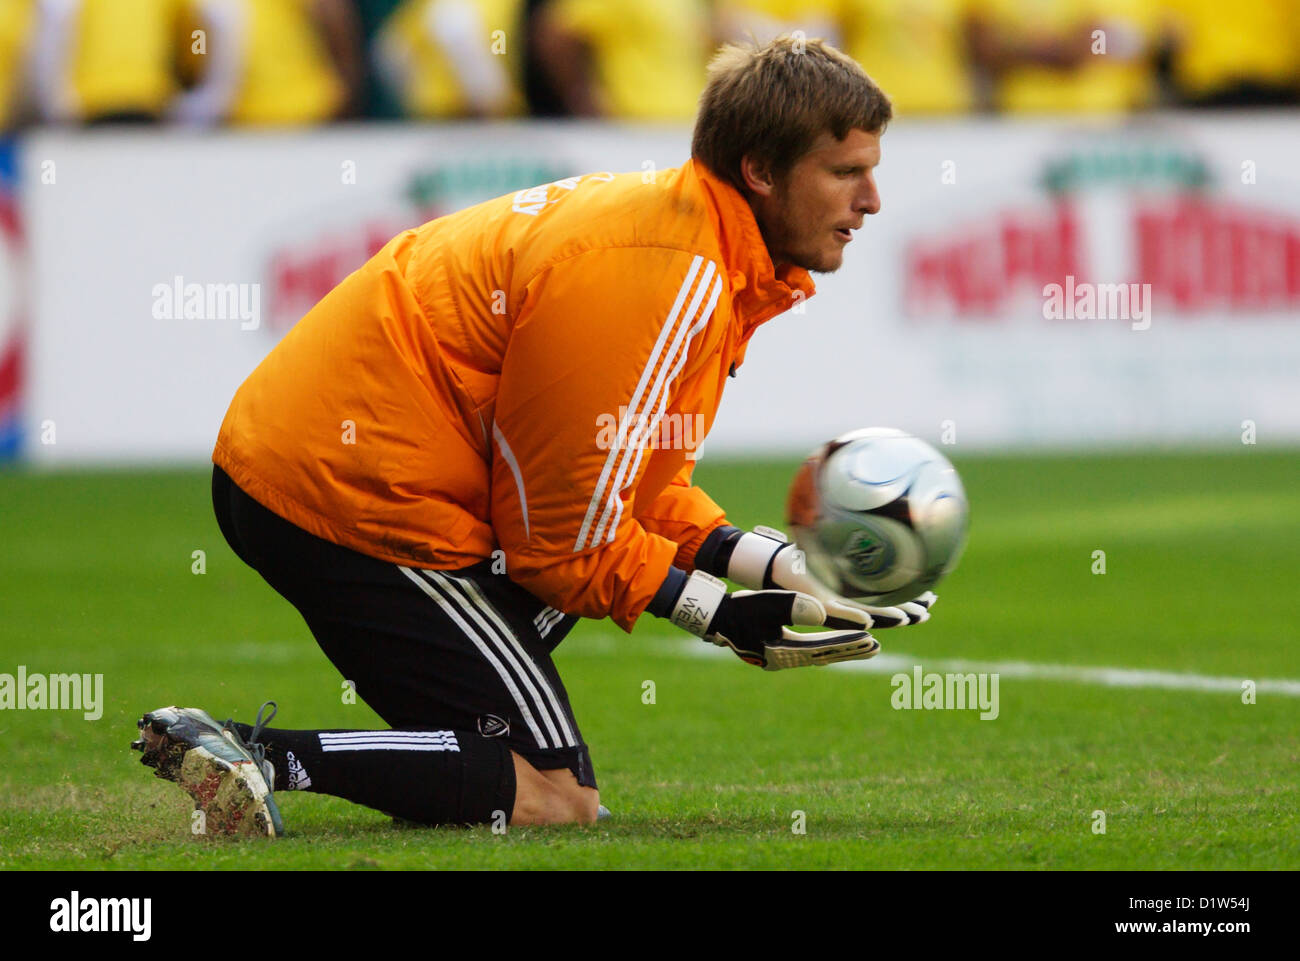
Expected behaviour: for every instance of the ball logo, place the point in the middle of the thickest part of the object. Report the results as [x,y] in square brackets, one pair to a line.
[867,553]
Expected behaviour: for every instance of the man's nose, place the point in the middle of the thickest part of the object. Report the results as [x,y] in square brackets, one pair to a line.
[869,202]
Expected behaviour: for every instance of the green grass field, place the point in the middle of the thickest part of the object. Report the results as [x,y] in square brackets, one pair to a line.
[1202,558]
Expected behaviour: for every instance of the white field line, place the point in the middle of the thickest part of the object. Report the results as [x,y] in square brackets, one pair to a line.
[609,644]
[894,663]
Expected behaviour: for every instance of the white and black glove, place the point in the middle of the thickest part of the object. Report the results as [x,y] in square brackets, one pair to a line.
[763,559]
[755,625]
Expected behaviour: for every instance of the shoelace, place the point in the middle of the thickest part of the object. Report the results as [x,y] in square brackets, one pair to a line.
[253,745]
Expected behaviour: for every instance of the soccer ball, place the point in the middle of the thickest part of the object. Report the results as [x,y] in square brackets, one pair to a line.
[880,515]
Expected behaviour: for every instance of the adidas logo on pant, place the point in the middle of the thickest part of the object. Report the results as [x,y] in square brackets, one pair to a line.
[299,780]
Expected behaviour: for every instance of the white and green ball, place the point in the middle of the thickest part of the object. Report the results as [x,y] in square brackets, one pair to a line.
[880,515]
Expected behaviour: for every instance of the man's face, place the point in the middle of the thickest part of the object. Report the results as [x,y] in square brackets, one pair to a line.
[807,215]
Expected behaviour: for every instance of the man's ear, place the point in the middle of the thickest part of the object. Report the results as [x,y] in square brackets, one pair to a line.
[757,175]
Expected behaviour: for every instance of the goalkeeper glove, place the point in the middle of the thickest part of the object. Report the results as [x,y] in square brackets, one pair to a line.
[754,625]
[763,559]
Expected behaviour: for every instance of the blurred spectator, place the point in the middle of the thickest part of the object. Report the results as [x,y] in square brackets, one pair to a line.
[764,20]
[916,50]
[1246,53]
[17,21]
[378,100]
[105,60]
[453,58]
[263,62]
[1067,55]
[292,62]
[543,98]
[623,59]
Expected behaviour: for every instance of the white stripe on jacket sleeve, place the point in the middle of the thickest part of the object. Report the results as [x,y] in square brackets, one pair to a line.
[672,331]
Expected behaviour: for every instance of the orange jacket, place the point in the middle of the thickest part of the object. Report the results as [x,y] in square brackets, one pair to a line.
[493,378]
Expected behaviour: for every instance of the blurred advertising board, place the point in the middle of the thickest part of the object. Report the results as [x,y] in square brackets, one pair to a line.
[1049,283]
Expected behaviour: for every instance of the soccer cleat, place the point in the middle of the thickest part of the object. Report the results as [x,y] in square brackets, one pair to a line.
[603,813]
[230,779]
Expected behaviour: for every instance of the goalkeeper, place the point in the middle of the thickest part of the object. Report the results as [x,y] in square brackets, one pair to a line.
[423,466]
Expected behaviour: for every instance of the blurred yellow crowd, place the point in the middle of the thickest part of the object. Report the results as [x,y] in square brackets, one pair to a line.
[306,62]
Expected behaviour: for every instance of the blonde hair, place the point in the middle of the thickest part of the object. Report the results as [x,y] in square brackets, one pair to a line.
[773,101]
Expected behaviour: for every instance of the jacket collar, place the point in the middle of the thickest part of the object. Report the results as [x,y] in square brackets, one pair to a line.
[758,289]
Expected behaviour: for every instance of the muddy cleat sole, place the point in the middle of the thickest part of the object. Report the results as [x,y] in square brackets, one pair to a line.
[229,780]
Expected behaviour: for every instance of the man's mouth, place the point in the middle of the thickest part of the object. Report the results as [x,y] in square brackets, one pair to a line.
[843,234]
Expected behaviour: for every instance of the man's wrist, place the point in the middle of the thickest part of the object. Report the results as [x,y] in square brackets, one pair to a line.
[714,554]
[752,556]
[699,603]
[665,599]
